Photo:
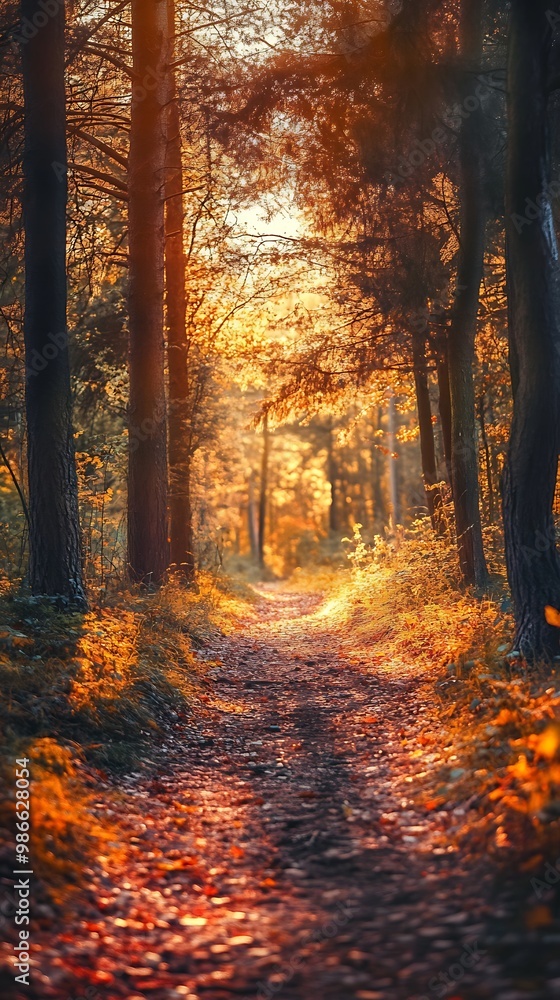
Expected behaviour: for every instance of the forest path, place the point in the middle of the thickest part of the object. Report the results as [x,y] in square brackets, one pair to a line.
[279,850]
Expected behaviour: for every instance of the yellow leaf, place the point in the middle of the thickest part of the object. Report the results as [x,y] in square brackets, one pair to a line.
[514,802]
[505,716]
[496,793]
[175,866]
[520,769]
[552,616]
[549,741]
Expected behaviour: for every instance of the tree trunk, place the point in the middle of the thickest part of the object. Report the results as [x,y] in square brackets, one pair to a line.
[487,457]
[361,480]
[180,511]
[434,498]
[147,482]
[462,332]
[444,407]
[332,477]
[379,505]
[393,466]
[252,525]
[530,472]
[263,493]
[55,567]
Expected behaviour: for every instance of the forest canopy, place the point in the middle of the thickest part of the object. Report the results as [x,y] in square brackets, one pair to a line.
[271,274]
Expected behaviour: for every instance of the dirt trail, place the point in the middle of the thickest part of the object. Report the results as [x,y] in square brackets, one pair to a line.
[279,852]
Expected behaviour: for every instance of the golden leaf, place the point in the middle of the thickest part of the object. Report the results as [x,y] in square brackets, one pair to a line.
[549,741]
[504,717]
[521,768]
[552,616]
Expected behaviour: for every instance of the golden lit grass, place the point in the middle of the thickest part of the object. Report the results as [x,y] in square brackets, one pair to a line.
[97,688]
[230,601]
[113,674]
[505,733]
[402,607]
[322,579]
[402,602]
[64,832]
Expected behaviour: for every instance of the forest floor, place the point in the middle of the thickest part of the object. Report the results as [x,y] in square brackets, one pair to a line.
[284,843]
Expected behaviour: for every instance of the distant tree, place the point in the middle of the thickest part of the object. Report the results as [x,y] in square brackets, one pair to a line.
[332,479]
[147,473]
[462,331]
[263,490]
[179,416]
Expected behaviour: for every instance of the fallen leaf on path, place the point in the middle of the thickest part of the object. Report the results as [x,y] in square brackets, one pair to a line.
[552,616]
[174,866]
[434,803]
[539,916]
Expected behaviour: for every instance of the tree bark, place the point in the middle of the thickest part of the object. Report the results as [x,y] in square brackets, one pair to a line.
[462,333]
[379,504]
[332,478]
[393,467]
[444,407]
[434,499]
[55,567]
[361,480]
[147,482]
[487,457]
[263,492]
[252,524]
[533,278]
[180,508]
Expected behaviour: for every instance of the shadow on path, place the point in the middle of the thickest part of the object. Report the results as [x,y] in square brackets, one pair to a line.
[280,851]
